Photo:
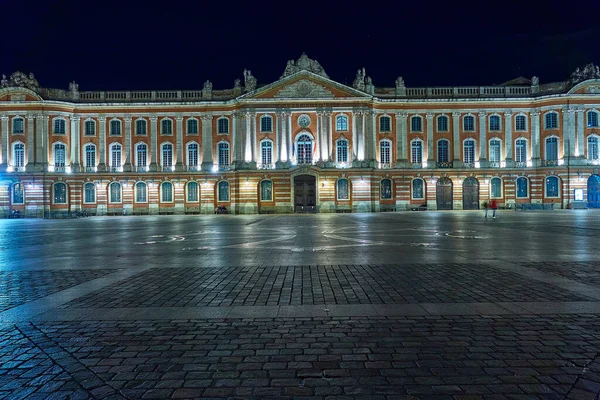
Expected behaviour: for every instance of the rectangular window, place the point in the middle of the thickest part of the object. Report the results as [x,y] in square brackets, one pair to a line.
[592,119]
[18,125]
[18,194]
[115,154]
[494,123]
[141,154]
[521,151]
[416,153]
[442,124]
[192,192]
[60,193]
[385,152]
[342,151]
[469,152]
[416,124]
[90,128]
[443,150]
[469,123]
[520,123]
[495,146]
[551,120]
[140,193]
[223,191]
[19,155]
[386,189]
[90,156]
[384,124]
[59,126]
[167,156]
[417,189]
[192,155]
[140,127]
[266,191]
[592,148]
[223,154]
[167,127]
[266,152]
[552,149]
[115,128]
[343,190]
[192,127]
[90,193]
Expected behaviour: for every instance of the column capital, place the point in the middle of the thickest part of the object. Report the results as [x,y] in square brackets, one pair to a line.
[178,118]
[101,119]
[429,115]
[236,114]
[4,118]
[127,118]
[205,117]
[74,119]
[456,114]
[535,112]
[508,112]
[401,114]
[482,114]
[328,113]
[153,119]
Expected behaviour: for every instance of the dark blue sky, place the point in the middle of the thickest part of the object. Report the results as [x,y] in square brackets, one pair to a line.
[116,45]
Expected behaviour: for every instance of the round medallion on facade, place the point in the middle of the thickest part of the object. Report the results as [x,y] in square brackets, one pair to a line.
[304,120]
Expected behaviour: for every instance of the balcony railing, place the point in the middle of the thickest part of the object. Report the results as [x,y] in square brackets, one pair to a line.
[224,167]
[521,164]
[416,165]
[386,166]
[116,169]
[469,165]
[266,166]
[444,164]
[495,164]
[193,168]
[90,169]
[550,163]
[141,169]
[59,168]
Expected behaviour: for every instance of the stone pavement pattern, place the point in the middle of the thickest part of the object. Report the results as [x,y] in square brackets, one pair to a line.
[397,306]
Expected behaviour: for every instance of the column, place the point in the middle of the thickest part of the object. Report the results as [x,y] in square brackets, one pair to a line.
[102,137]
[570,141]
[127,167]
[153,167]
[290,140]
[508,139]
[329,145]
[354,135]
[281,150]
[235,117]
[430,154]
[179,143]
[401,139]
[75,148]
[456,138]
[247,137]
[319,137]
[5,145]
[207,142]
[30,144]
[580,150]
[482,139]
[535,137]
[253,137]
[362,136]
[41,154]
[371,139]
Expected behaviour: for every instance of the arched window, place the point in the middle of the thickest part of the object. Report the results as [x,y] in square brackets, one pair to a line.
[341,151]
[90,157]
[552,148]
[592,150]
[115,127]
[114,192]
[141,155]
[551,119]
[223,126]
[115,157]
[59,156]
[469,151]
[443,155]
[223,191]
[552,186]
[494,123]
[141,192]
[223,154]
[495,150]
[89,193]
[266,190]
[385,151]
[386,189]
[592,119]
[304,149]
[442,123]
[166,127]
[496,187]
[468,123]
[60,193]
[521,150]
[90,127]
[385,124]
[60,126]
[341,123]
[166,190]
[18,125]
[141,127]
[520,123]
[343,189]
[418,189]
[192,126]
[18,194]
[522,187]
[166,156]
[18,155]
[266,123]
[416,124]
[266,152]
[416,151]
[193,194]
[192,155]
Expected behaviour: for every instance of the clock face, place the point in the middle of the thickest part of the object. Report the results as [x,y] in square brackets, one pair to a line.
[304,120]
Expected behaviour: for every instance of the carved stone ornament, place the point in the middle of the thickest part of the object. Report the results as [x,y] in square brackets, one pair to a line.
[359,81]
[535,81]
[592,89]
[19,79]
[303,64]
[304,89]
[590,71]
[249,81]
[400,83]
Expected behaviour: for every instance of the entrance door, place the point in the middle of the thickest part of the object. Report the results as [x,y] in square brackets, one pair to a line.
[443,194]
[470,194]
[594,191]
[305,193]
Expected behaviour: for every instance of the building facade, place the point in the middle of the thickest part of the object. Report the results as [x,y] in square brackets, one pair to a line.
[302,143]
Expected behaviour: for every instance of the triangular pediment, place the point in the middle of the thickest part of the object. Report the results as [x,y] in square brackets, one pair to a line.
[304,85]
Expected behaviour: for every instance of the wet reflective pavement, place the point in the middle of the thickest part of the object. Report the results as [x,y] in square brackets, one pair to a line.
[417,305]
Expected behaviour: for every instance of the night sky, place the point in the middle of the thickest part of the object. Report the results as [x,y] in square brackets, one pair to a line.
[169,44]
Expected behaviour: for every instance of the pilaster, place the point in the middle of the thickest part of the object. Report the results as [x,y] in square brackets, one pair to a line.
[247,136]
[580,150]
[482,139]
[354,135]
[207,142]
[127,167]
[508,138]
[179,143]
[5,144]
[30,167]
[535,137]
[235,118]
[430,153]
[74,145]
[319,137]
[329,143]
[153,166]
[401,139]
[41,140]
[456,139]
[290,139]
[281,142]
[102,147]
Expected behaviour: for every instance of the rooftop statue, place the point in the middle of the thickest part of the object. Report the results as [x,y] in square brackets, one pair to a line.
[590,71]
[249,81]
[303,64]
[19,79]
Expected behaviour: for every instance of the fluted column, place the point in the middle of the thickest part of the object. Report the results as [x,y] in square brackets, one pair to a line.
[535,137]
[482,139]
[207,142]
[456,139]
[5,145]
[580,133]
[508,138]
[75,148]
[153,167]
[102,147]
[430,155]
[179,143]
[401,139]
[41,139]
[30,144]
[127,167]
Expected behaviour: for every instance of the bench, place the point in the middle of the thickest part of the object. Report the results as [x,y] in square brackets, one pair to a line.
[535,206]
[422,207]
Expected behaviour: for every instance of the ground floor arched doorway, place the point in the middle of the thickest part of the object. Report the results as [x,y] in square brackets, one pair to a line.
[305,193]
[470,194]
[593,190]
[443,194]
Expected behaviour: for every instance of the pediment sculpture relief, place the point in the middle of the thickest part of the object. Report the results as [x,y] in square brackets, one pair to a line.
[303,64]
[304,89]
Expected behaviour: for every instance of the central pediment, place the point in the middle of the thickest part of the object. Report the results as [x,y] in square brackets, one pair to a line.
[303,89]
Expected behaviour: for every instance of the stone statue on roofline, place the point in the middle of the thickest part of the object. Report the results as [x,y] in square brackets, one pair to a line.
[19,79]
[303,64]
[590,71]
[207,89]
[249,81]
[359,81]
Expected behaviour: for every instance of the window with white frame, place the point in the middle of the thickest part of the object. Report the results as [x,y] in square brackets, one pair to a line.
[385,124]
[223,191]
[494,123]
[522,187]
[468,123]
[223,126]
[341,153]
[418,189]
[192,126]
[18,125]
[385,191]
[89,127]
[114,192]
[521,150]
[551,119]
[469,151]
[141,192]
[495,150]
[416,124]
[496,187]
[443,154]
[385,151]
[59,156]
[192,154]
[60,193]
[592,119]
[520,123]
[90,155]
[89,193]
[166,126]
[442,123]
[592,148]
[552,148]
[343,189]
[18,155]
[266,190]
[266,123]
[18,194]
[552,186]
[223,154]
[60,126]
[193,192]
[416,151]
[141,127]
[115,156]
[141,155]
[304,149]
[166,190]
[341,123]
[166,155]
[115,127]
[266,152]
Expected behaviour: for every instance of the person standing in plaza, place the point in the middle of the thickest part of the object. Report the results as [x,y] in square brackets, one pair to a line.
[494,207]
[485,206]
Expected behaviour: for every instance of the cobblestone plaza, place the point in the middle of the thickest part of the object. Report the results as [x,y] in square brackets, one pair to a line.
[415,305]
